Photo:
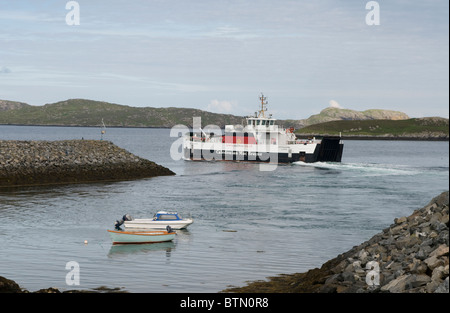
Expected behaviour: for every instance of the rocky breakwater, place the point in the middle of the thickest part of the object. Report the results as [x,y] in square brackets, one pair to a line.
[410,256]
[24,163]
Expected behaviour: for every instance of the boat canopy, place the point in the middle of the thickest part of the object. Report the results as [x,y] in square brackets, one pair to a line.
[164,216]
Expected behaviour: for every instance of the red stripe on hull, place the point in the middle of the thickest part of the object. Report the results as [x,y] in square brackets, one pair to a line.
[239,140]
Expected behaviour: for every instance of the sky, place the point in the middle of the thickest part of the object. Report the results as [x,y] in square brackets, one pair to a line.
[219,55]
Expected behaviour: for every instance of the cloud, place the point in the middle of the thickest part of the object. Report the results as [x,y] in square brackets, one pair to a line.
[4,70]
[221,106]
[335,104]
[190,52]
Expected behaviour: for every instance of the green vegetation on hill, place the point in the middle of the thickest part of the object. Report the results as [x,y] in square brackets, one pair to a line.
[335,114]
[332,114]
[80,112]
[330,121]
[428,127]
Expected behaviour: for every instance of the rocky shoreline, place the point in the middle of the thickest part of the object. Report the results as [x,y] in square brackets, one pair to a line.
[10,286]
[29,163]
[410,256]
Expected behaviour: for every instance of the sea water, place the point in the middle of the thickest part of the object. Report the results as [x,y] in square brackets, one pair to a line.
[248,224]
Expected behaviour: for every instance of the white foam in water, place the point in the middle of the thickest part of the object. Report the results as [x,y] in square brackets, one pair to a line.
[372,169]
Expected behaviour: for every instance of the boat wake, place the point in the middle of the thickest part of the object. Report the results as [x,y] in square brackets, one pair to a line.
[367,168]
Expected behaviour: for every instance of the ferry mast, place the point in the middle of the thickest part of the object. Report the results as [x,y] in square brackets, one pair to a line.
[263,106]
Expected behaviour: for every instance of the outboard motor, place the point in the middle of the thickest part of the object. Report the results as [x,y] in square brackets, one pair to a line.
[118,223]
[169,229]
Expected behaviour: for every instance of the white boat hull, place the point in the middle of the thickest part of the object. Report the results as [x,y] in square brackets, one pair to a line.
[152,224]
[140,237]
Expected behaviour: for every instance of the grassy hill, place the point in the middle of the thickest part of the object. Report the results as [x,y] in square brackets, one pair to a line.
[334,114]
[331,121]
[419,128]
[81,112]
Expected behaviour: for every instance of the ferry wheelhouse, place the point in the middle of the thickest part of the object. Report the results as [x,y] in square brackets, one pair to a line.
[261,140]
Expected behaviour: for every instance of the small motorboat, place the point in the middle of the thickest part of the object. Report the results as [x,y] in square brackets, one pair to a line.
[159,221]
[141,236]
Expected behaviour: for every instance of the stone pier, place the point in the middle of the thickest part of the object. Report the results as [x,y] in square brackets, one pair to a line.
[27,163]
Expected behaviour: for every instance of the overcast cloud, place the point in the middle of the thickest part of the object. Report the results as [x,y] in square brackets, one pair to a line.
[219,55]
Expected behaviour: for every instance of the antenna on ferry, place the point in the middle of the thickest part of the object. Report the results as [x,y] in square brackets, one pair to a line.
[263,105]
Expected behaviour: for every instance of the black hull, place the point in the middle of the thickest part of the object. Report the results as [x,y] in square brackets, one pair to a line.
[330,150]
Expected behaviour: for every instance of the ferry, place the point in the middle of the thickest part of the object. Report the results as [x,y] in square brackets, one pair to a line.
[260,140]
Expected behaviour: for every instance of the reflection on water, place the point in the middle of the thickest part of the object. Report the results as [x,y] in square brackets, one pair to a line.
[124,249]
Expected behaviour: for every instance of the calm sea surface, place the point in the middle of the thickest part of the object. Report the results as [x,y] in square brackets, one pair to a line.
[249,224]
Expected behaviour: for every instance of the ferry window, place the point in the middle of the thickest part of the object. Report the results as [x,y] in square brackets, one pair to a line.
[271,122]
[263,122]
[257,122]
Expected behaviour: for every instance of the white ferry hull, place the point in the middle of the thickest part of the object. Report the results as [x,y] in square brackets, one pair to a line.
[328,150]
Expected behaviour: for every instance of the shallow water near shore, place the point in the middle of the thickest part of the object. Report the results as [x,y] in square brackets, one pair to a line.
[249,224]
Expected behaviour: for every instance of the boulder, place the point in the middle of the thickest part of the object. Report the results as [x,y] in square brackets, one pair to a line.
[9,286]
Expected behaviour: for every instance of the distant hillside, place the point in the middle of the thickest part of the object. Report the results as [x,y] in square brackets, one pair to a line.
[80,112]
[418,128]
[335,114]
